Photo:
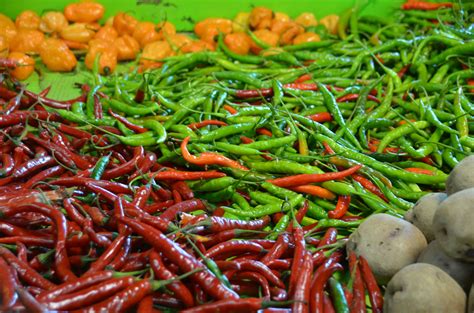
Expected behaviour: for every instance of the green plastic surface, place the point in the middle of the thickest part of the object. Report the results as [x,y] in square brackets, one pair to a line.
[183,13]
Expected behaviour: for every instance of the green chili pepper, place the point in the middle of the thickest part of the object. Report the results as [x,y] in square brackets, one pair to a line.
[338,297]
[280,227]
[379,166]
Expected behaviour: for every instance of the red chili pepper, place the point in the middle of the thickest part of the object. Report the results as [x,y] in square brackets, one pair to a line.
[304,179]
[178,288]
[138,153]
[35,98]
[24,270]
[278,249]
[358,301]
[342,207]
[367,184]
[229,305]
[302,291]
[320,279]
[321,117]
[73,286]
[264,131]
[90,295]
[329,237]
[229,109]
[108,255]
[419,170]
[176,196]
[183,189]
[403,70]
[303,78]
[298,255]
[123,300]
[354,96]
[259,278]
[136,128]
[85,223]
[158,206]
[279,265]
[223,236]
[181,175]
[245,140]
[8,165]
[72,131]
[144,165]
[375,295]
[299,215]
[425,6]
[314,190]
[28,301]
[121,258]
[208,158]
[32,166]
[233,247]
[217,224]
[185,261]
[256,266]
[62,265]
[141,196]
[21,117]
[205,123]
[13,104]
[7,290]
[63,154]
[184,206]
[328,306]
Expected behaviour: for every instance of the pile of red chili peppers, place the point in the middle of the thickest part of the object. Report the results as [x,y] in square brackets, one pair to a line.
[205,186]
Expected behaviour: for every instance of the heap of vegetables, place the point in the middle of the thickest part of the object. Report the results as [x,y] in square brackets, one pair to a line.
[231,182]
[61,38]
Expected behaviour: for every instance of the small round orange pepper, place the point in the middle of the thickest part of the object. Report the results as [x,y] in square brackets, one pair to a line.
[165,29]
[124,23]
[25,67]
[28,19]
[53,22]
[127,48]
[145,32]
[306,37]
[260,18]
[197,46]
[266,36]
[107,33]
[330,22]
[3,47]
[178,41]
[84,12]
[209,28]
[7,28]
[56,55]
[27,41]
[78,32]
[306,19]
[154,52]
[107,54]
[238,42]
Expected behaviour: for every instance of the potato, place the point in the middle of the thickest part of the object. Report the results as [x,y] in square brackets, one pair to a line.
[470,301]
[453,225]
[462,176]
[423,288]
[461,272]
[388,243]
[421,215]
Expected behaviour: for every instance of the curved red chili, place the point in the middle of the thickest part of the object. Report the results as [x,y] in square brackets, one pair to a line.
[178,288]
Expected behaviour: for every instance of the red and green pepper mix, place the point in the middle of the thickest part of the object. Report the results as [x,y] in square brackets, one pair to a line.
[217,183]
